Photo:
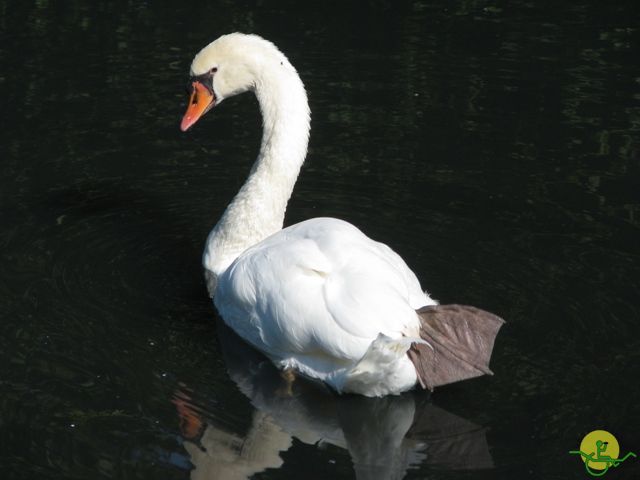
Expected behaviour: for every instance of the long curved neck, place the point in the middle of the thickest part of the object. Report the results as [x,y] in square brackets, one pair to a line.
[258,209]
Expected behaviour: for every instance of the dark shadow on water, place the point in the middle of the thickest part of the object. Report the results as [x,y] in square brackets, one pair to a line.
[383,436]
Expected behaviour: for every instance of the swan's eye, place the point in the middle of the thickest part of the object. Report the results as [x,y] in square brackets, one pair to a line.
[214,70]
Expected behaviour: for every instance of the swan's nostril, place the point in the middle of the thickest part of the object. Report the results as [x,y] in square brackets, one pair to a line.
[192,91]
[200,102]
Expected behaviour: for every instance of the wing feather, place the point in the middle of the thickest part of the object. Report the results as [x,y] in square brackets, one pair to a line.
[319,289]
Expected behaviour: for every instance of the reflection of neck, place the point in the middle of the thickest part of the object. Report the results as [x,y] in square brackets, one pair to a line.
[257,211]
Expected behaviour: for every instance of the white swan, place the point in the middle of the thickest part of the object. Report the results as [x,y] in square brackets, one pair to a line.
[318,297]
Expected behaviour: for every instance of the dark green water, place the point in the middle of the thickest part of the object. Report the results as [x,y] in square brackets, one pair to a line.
[495,145]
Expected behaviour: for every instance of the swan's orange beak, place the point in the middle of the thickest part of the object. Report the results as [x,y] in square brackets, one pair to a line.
[200,102]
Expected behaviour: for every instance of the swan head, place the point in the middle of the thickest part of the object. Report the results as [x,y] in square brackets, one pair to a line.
[229,65]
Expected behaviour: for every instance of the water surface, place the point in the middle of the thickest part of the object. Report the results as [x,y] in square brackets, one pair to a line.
[496,146]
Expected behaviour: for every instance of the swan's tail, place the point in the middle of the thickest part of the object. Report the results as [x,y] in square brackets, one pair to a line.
[460,341]
[380,370]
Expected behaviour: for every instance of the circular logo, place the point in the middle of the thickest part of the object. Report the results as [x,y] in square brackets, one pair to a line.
[599,443]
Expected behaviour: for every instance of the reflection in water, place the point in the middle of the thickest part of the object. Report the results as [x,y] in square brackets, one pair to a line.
[384,436]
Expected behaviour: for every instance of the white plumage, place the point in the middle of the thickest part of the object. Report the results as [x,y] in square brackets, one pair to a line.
[314,297]
[319,297]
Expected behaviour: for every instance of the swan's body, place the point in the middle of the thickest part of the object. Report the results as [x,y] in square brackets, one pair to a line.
[319,297]
[295,296]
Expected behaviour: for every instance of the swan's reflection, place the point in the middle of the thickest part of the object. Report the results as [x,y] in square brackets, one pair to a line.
[384,436]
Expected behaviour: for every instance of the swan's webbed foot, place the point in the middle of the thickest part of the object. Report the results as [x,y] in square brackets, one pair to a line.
[288,377]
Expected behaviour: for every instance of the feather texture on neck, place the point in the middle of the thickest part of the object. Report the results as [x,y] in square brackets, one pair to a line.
[258,209]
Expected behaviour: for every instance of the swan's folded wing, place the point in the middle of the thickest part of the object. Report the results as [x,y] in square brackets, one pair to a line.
[273,296]
[367,296]
[320,288]
[272,293]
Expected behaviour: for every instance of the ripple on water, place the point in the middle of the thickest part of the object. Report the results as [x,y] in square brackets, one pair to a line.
[95,283]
